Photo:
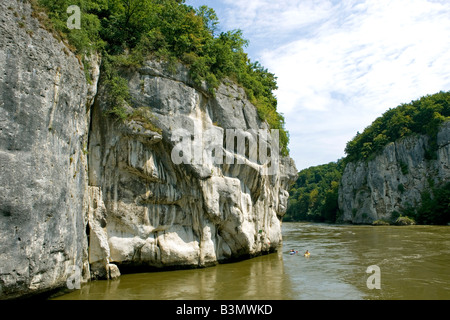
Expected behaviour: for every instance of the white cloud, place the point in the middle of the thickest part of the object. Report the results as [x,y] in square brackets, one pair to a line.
[368,59]
[342,63]
[270,16]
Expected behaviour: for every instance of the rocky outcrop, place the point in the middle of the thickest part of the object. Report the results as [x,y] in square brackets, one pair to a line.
[393,180]
[83,195]
[44,121]
[168,207]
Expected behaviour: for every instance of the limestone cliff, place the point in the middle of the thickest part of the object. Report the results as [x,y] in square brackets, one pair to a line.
[44,121]
[85,195]
[394,179]
[157,213]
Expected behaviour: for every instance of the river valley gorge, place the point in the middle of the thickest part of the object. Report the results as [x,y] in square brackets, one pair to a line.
[143,157]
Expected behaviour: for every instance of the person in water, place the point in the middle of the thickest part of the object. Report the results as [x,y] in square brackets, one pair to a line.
[307,254]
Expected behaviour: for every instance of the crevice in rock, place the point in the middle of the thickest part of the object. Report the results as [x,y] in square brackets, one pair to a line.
[88,235]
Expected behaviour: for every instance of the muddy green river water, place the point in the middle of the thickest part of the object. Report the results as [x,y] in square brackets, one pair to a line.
[413,263]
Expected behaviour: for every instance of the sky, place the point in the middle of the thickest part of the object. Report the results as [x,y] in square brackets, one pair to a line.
[342,64]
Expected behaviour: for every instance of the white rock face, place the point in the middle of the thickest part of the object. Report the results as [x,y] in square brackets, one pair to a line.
[44,122]
[194,214]
[394,180]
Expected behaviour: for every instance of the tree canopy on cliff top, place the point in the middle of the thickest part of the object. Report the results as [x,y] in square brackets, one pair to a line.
[422,116]
[173,31]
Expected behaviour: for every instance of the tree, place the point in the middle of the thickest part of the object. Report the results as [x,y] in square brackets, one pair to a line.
[210,19]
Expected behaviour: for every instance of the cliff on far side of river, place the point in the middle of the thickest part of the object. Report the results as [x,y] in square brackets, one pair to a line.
[395,179]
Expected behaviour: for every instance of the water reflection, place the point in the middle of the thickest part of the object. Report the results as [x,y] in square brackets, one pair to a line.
[259,278]
[413,261]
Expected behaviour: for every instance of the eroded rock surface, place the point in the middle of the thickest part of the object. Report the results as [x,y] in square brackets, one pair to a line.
[395,179]
[44,121]
[194,214]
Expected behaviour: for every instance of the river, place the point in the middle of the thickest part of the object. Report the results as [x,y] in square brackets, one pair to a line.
[413,264]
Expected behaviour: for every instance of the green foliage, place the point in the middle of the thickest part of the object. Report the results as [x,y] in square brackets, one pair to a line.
[380,222]
[117,87]
[404,221]
[86,39]
[135,30]
[314,196]
[423,116]
[118,112]
[118,90]
[435,207]
[395,215]
[146,118]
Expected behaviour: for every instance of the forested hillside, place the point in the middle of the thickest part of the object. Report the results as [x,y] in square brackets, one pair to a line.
[314,197]
[127,32]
